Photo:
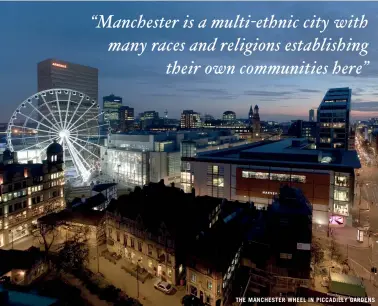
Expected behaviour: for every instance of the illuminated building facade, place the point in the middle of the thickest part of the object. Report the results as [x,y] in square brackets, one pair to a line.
[148,118]
[255,172]
[229,117]
[54,73]
[303,129]
[126,118]
[333,119]
[190,120]
[111,107]
[29,191]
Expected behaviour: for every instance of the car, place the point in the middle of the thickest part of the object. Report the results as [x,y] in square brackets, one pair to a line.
[163,286]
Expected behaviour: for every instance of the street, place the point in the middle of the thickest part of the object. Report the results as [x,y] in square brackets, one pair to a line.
[366,202]
[113,273]
[148,295]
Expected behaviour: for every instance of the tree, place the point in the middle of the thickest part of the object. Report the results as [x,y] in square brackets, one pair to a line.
[73,256]
[67,191]
[47,231]
[317,253]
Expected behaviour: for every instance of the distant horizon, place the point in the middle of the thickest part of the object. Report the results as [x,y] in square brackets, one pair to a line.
[142,82]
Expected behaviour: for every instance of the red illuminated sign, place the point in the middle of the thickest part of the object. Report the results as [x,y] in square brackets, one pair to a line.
[59,65]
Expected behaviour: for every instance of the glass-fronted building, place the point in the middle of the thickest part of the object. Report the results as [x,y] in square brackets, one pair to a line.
[333,119]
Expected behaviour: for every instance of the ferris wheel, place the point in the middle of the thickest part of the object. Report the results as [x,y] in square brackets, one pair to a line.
[66,116]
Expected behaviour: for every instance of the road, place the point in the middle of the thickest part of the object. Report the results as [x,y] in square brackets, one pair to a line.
[366,207]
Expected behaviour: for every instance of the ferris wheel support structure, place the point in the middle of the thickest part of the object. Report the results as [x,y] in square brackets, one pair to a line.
[63,115]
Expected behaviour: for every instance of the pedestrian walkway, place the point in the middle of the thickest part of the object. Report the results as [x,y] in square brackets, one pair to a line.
[359,257]
[85,293]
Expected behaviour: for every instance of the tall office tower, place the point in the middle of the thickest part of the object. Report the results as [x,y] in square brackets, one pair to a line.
[256,127]
[53,73]
[333,119]
[311,116]
[111,106]
[126,118]
[190,120]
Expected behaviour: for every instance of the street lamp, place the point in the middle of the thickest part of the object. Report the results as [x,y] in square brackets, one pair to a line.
[329,272]
[373,267]
[137,277]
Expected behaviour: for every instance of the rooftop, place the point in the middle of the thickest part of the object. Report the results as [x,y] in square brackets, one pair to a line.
[347,285]
[18,259]
[102,187]
[291,201]
[87,217]
[289,151]
[217,245]
[89,203]
[156,204]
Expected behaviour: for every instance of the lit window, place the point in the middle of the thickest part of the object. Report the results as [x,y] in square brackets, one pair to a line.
[215,169]
[209,285]
[341,195]
[257,175]
[342,180]
[193,278]
[218,182]
[286,256]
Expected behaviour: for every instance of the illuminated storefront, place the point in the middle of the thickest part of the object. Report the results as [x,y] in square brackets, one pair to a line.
[127,167]
[256,172]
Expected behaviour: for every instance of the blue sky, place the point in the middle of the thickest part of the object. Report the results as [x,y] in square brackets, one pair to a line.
[32,32]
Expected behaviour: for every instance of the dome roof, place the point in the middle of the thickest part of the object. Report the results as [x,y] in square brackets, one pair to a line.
[229,113]
[54,148]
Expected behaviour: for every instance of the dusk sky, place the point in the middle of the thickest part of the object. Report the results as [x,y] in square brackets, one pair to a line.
[32,32]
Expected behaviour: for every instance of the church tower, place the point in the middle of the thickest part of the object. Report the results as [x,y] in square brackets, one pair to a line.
[250,116]
[256,128]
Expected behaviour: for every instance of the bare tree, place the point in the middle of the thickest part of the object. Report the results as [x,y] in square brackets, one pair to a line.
[47,230]
[46,235]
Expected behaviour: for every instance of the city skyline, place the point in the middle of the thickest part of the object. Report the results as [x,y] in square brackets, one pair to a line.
[141,81]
